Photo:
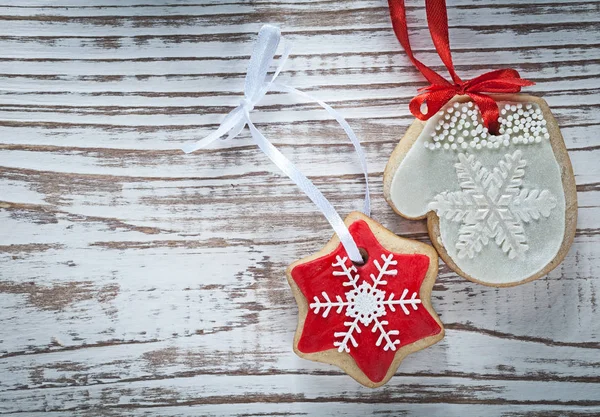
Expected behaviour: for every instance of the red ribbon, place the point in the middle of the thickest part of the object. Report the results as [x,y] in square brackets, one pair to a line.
[441,90]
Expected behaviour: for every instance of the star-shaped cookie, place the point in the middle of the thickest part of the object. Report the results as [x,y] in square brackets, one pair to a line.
[366,318]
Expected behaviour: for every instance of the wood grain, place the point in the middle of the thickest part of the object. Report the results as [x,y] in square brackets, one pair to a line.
[136,280]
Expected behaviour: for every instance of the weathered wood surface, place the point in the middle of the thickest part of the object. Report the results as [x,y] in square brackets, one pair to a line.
[135,280]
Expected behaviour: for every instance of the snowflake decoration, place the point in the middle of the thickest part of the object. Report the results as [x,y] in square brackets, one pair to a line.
[492,205]
[365,304]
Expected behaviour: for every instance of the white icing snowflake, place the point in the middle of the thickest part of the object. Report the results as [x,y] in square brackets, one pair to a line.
[492,205]
[365,304]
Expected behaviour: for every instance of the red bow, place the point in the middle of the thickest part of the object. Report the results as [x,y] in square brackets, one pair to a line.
[436,95]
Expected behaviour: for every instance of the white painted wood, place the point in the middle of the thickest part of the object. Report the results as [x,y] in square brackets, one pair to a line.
[135,280]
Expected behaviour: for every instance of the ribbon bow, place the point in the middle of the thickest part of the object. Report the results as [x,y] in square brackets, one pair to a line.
[436,95]
[256,85]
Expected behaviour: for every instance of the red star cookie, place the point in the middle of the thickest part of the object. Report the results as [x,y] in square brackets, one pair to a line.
[366,318]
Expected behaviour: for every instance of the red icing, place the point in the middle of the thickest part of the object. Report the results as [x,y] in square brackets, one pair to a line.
[315,277]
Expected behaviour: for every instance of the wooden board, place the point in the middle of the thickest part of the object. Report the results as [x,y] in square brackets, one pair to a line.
[136,280]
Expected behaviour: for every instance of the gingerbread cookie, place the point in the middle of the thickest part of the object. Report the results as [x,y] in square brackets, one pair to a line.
[366,318]
[501,209]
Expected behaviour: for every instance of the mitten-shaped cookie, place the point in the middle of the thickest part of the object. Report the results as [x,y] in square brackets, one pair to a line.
[501,208]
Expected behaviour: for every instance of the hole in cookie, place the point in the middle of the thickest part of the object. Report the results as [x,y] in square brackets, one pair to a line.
[365,257]
[494,130]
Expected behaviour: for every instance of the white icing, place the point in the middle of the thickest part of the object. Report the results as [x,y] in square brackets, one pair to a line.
[492,206]
[365,304]
[537,203]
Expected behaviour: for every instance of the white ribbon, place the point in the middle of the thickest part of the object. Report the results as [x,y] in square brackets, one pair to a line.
[256,85]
